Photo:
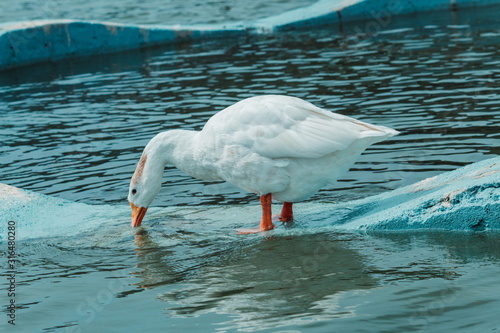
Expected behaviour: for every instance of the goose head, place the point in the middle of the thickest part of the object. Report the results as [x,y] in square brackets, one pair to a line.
[144,186]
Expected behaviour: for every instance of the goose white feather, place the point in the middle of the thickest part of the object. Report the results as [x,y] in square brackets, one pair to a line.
[277,145]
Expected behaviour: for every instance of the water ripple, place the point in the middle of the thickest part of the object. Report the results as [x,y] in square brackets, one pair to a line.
[86,130]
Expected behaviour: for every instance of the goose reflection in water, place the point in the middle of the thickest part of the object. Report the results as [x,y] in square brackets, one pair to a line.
[311,277]
[297,275]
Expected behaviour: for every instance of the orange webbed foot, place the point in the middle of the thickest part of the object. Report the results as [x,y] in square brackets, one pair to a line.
[250,231]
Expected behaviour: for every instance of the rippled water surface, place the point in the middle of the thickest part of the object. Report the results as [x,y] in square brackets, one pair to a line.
[76,129]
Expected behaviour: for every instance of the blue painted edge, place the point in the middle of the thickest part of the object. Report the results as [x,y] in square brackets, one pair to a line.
[466,199]
[23,43]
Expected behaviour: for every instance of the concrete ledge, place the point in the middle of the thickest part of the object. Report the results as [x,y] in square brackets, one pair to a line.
[23,43]
[37,41]
[467,199]
[464,199]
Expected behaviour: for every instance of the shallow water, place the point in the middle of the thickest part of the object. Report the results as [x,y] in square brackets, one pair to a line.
[298,283]
[75,130]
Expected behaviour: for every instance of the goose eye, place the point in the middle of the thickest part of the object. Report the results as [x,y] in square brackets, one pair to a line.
[134,191]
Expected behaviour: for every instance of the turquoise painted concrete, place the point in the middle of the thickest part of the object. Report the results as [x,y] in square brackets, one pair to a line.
[30,42]
[466,199]
[23,43]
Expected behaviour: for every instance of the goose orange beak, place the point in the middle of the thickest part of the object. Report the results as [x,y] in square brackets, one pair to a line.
[137,214]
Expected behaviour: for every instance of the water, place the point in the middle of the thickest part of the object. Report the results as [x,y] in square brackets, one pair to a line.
[299,283]
[75,130]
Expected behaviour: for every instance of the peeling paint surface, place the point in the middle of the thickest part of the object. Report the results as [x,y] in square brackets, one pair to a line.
[456,200]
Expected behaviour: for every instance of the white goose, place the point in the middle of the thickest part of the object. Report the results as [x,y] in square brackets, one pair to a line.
[278,147]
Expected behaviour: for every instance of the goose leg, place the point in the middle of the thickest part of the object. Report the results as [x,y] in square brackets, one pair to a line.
[266,223]
[286,212]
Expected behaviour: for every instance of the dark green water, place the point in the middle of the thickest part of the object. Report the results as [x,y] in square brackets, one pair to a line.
[75,130]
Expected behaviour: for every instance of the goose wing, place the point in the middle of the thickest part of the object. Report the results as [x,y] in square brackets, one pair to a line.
[288,127]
